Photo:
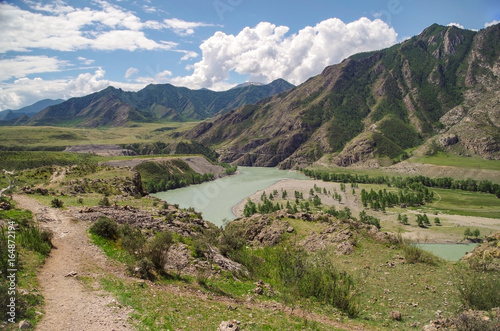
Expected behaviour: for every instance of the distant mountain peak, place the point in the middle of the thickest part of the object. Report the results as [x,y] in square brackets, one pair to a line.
[30,110]
[376,106]
[115,107]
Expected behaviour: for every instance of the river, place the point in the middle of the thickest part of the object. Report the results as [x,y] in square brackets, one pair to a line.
[215,199]
[452,252]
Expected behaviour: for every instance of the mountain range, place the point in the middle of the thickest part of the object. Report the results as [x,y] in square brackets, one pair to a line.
[115,107]
[439,89]
[30,110]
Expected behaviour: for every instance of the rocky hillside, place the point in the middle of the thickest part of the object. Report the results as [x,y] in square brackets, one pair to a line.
[375,106]
[115,107]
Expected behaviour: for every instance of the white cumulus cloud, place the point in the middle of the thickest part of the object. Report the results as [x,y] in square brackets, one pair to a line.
[183,28]
[131,71]
[23,65]
[161,77]
[495,22]
[25,91]
[65,28]
[265,52]
[458,25]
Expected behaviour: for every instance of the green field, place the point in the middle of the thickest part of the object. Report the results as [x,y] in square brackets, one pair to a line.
[45,136]
[455,202]
[450,160]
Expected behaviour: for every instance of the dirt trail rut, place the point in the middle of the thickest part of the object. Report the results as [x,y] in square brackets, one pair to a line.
[69,305]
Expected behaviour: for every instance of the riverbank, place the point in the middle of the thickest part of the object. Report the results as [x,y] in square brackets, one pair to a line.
[451,230]
[215,199]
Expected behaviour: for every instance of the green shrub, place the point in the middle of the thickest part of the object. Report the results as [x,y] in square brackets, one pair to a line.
[200,248]
[232,240]
[157,248]
[56,203]
[132,239]
[415,254]
[104,202]
[105,227]
[479,291]
[320,280]
[36,240]
[144,269]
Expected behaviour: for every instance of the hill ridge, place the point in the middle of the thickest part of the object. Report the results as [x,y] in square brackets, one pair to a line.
[115,107]
[372,108]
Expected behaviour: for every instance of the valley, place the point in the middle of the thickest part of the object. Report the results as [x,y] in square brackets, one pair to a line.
[321,195]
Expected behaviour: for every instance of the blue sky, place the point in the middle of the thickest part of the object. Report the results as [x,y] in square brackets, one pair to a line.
[63,49]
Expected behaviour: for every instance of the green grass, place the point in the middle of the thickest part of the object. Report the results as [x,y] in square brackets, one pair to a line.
[157,309]
[450,160]
[112,249]
[35,159]
[31,251]
[45,136]
[385,284]
[457,202]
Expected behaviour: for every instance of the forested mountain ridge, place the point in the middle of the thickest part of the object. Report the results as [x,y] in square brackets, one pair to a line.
[115,107]
[441,85]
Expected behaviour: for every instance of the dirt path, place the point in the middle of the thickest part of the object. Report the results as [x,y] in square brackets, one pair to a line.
[58,176]
[69,305]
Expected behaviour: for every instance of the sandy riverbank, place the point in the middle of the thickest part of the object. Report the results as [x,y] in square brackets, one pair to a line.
[434,234]
[292,185]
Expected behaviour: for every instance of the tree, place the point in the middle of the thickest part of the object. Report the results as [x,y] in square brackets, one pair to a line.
[249,209]
[426,221]
[437,221]
[404,220]
[476,233]
[467,233]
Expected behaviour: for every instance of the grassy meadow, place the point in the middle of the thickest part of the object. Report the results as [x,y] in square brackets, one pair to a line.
[450,160]
[41,137]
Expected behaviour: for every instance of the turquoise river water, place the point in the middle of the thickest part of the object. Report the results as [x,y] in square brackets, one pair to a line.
[452,252]
[215,199]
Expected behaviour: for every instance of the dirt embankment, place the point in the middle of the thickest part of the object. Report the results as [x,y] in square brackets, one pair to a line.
[101,150]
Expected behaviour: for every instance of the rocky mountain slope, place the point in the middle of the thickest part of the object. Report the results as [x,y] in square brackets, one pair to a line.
[441,85]
[115,107]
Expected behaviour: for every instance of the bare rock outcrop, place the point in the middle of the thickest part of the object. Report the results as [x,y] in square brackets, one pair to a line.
[262,230]
[179,221]
[229,326]
[448,140]
[486,255]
